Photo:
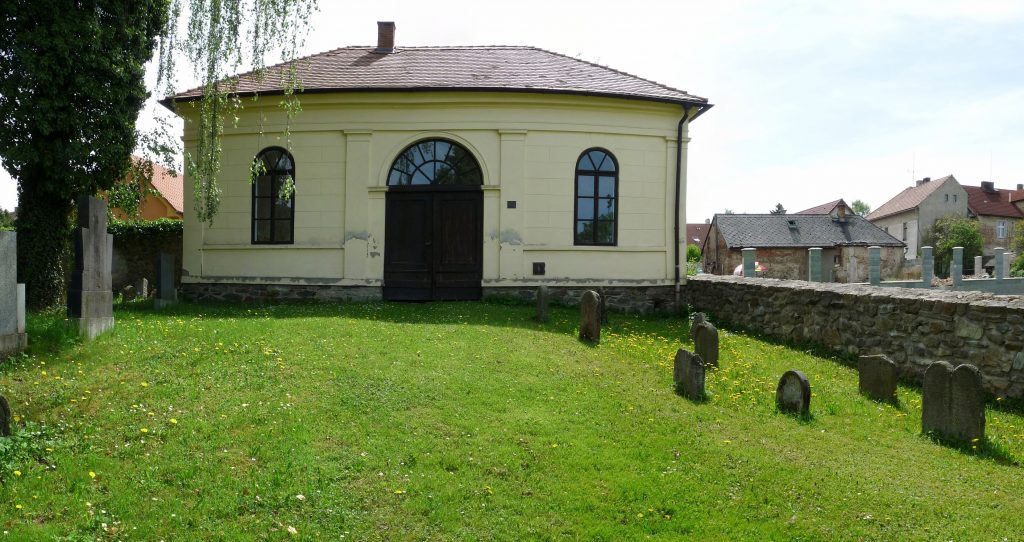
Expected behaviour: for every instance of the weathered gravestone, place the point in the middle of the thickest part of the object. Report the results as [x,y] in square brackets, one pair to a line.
[128,293]
[142,288]
[705,343]
[90,299]
[13,338]
[877,378]
[543,302]
[5,417]
[590,317]
[794,393]
[953,402]
[698,318]
[688,375]
[166,293]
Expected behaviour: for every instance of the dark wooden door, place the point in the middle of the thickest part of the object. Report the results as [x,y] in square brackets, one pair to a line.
[433,245]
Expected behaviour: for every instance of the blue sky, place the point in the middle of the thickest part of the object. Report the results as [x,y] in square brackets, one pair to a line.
[813,100]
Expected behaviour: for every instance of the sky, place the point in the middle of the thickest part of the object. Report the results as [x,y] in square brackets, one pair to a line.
[813,101]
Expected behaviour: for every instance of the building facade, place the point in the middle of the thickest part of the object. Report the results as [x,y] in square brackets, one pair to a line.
[912,212]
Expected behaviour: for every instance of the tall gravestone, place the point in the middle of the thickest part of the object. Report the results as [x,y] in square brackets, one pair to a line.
[590,317]
[953,402]
[90,299]
[698,319]
[688,375]
[877,375]
[5,417]
[166,293]
[793,394]
[705,343]
[13,338]
[543,301]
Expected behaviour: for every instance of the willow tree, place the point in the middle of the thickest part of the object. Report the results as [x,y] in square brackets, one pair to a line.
[72,85]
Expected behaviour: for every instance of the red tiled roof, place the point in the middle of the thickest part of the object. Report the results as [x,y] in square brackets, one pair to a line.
[698,232]
[995,203]
[823,209]
[487,68]
[169,186]
[1016,195]
[908,199]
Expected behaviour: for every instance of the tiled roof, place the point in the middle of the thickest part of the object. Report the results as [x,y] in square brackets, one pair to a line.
[823,209]
[995,203]
[799,231]
[698,232]
[488,68]
[170,187]
[1017,195]
[908,199]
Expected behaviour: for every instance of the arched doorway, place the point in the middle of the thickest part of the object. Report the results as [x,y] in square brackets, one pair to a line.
[433,228]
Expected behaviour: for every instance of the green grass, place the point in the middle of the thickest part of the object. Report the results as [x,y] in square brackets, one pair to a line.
[466,422]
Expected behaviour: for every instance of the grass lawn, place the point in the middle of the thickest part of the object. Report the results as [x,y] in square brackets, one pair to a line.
[466,421]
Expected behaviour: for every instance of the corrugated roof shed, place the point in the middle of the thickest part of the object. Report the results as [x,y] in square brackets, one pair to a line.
[799,231]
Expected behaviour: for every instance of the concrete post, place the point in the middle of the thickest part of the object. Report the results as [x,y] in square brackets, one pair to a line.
[978,269]
[956,266]
[1000,260]
[814,264]
[927,266]
[748,262]
[875,265]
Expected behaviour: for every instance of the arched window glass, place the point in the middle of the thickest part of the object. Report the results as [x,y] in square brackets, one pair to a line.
[273,216]
[435,161]
[597,194]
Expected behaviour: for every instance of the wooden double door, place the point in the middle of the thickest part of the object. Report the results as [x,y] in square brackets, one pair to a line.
[433,243]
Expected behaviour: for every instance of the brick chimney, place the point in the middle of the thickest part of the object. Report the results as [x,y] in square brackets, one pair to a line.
[988,186]
[924,180]
[385,37]
[1020,186]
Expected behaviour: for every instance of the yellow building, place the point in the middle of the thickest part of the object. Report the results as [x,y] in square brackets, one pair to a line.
[447,173]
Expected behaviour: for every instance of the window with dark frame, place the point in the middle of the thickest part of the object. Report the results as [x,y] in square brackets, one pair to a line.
[273,217]
[435,162]
[597,195]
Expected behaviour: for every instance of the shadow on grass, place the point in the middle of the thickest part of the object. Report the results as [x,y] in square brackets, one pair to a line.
[802,418]
[985,449]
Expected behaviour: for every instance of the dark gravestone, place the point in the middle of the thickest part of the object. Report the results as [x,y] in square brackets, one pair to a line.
[13,338]
[590,317]
[705,343]
[698,318]
[128,293]
[604,305]
[166,293]
[953,402]
[5,417]
[543,301]
[794,393]
[90,299]
[688,374]
[877,378]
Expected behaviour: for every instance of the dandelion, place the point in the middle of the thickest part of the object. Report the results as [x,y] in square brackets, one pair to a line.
[173,421]
[92,474]
[292,530]
[300,498]
[145,384]
[143,430]
[17,473]
[17,507]
[399,491]
[640,515]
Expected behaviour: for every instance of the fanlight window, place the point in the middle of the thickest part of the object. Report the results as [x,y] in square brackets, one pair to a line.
[273,216]
[597,192]
[435,162]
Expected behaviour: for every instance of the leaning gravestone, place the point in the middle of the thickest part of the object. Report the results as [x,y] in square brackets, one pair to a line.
[590,317]
[794,393]
[90,299]
[13,338]
[166,293]
[698,318]
[543,301]
[877,378]
[5,417]
[688,374]
[953,402]
[705,343]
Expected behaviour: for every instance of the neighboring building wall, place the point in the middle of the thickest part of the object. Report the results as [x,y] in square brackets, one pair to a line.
[853,263]
[949,199]
[893,225]
[989,226]
[527,146]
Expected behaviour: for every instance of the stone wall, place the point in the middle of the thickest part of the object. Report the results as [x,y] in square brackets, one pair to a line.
[632,299]
[914,327]
[241,293]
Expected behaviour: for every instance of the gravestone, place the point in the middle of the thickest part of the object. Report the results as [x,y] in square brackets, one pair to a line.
[142,288]
[543,300]
[590,317]
[90,299]
[688,375]
[604,305]
[705,343]
[13,338]
[166,293]
[794,393]
[953,402]
[5,417]
[877,378]
[978,269]
[698,318]
[128,293]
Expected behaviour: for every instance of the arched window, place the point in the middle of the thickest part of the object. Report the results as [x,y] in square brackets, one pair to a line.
[432,162]
[273,216]
[597,194]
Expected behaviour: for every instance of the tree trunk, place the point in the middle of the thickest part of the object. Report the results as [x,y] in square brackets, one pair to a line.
[44,235]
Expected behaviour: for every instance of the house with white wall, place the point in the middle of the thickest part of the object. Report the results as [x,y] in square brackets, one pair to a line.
[914,210]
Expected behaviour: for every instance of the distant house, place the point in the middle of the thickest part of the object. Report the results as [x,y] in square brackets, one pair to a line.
[915,210]
[826,208]
[782,242]
[164,197]
[697,233]
[997,214]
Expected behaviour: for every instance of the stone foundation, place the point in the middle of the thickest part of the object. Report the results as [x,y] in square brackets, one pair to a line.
[632,299]
[227,292]
[912,327]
